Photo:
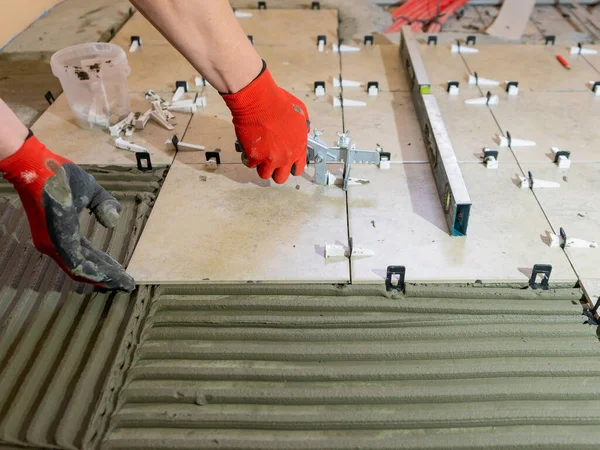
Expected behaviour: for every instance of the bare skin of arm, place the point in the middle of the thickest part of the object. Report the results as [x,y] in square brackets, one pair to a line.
[209,36]
[12,131]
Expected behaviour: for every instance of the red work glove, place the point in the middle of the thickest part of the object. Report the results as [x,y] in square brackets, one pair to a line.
[54,191]
[272,127]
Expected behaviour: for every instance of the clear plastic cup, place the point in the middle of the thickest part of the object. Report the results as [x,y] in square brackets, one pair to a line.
[94,79]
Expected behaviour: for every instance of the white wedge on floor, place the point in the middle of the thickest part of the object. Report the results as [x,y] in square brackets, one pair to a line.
[345,83]
[578,50]
[557,241]
[491,100]
[456,48]
[344,48]
[525,183]
[338,251]
[242,14]
[337,102]
[129,146]
[514,142]
[479,81]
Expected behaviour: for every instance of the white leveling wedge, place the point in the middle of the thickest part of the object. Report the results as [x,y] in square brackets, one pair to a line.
[457,48]
[579,50]
[487,100]
[556,240]
[509,141]
[242,14]
[338,251]
[480,81]
[337,102]
[129,146]
[533,183]
[345,83]
[176,144]
[344,48]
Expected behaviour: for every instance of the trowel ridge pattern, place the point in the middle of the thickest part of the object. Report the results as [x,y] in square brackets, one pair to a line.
[241,370]
[58,339]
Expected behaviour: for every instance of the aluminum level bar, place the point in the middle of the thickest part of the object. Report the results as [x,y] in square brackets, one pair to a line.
[451,187]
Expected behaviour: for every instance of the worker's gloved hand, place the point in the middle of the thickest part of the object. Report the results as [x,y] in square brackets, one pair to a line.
[54,191]
[272,127]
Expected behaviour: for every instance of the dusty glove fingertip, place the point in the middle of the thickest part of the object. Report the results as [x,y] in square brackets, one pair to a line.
[108,213]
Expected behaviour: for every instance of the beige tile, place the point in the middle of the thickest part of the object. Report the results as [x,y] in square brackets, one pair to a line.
[574,206]
[594,60]
[296,68]
[211,126]
[57,129]
[389,120]
[443,66]
[291,27]
[379,63]
[231,226]
[533,66]
[567,120]
[399,216]
[137,25]
[158,67]
[470,127]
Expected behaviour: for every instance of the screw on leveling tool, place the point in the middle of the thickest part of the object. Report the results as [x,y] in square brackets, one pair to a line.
[318,159]
[343,139]
[317,133]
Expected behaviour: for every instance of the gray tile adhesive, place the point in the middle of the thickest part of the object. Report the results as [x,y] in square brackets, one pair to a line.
[266,367]
[58,338]
[258,366]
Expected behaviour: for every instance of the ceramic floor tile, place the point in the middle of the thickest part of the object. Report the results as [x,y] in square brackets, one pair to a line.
[231,226]
[442,65]
[379,63]
[399,216]
[290,26]
[533,66]
[137,25]
[58,130]
[296,68]
[574,206]
[594,60]
[470,127]
[389,120]
[567,120]
[211,126]
[158,67]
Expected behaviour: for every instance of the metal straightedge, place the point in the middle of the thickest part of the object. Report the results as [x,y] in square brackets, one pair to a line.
[321,154]
[451,187]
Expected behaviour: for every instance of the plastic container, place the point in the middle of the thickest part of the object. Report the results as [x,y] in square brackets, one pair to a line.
[94,79]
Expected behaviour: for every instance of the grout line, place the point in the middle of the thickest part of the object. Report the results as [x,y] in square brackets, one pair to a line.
[592,66]
[348,237]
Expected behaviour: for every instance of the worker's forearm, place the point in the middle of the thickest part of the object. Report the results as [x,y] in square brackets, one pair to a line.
[12,131]
[207,33]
